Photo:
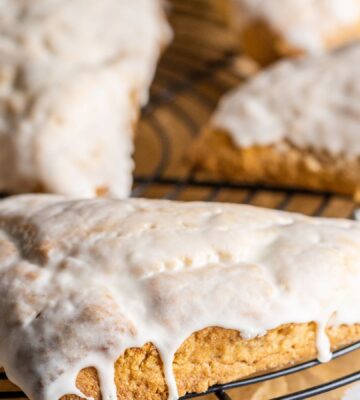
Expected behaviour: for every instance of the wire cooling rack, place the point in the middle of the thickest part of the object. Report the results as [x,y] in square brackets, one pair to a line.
[220,390]
[203,63]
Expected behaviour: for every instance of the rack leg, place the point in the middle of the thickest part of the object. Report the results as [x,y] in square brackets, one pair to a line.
[221,395]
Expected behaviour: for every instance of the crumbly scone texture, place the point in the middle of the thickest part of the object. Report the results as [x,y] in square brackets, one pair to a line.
[284,165]
[211,356]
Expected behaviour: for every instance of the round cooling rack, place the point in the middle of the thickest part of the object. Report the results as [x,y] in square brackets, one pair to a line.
[202,64]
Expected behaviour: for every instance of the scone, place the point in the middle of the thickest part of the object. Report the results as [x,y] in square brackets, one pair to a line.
[146,299]
[296,124]
[269,29]
[73,75]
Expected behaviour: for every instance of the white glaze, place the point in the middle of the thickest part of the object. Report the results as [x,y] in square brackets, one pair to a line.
[72,75]
[305,24]
[312,103]
[157,271]
[353,393]
[357,214]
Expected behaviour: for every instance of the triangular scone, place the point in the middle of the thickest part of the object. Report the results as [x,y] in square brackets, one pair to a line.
[269,29]
[160,293]
[73,75]
[296,124]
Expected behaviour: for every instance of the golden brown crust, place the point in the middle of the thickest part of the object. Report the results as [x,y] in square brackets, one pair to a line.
[265,45]
[281,165]
[211,356]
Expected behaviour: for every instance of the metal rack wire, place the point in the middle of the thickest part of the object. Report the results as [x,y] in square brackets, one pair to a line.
[220,390]
[201,65]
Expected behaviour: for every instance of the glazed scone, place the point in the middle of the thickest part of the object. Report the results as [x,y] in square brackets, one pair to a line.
[270,29]
[145,299]
[73,75]
[296,124]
